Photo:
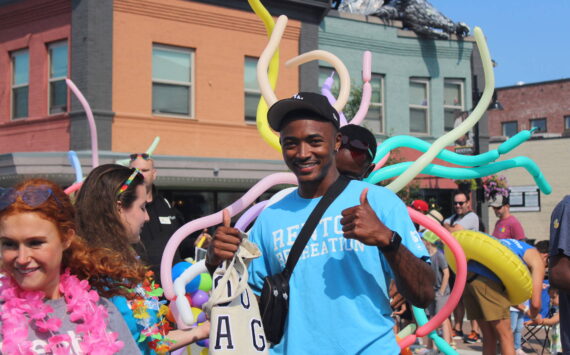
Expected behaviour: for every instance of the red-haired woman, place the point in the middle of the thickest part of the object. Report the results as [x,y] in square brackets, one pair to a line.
[47,303]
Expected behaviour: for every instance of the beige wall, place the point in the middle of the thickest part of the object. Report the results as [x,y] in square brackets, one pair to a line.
[553,158]
[221,38]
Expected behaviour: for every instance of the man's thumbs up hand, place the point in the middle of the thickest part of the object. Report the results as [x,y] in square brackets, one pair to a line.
[361,223]
[225,242]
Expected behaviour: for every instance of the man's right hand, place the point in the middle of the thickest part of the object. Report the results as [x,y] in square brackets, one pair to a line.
[225,242]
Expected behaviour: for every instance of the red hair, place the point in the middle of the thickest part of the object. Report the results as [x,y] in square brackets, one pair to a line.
[102,267]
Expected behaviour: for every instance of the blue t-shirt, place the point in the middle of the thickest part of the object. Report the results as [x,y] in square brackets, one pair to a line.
[516,246]
[339,301]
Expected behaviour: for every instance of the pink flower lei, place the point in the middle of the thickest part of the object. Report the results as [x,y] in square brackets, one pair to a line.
[22,307]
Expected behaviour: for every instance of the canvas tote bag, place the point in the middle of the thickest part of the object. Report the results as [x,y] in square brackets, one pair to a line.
[235,323]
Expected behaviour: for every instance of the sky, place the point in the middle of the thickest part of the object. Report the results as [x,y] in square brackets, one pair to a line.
[529,40]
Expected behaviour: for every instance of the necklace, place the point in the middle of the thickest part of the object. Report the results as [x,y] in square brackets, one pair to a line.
[152,329]
[21,308]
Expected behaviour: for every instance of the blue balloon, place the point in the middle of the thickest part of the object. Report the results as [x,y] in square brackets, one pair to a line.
[178,269]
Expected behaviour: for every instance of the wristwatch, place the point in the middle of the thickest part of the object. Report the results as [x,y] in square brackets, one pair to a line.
[394,244]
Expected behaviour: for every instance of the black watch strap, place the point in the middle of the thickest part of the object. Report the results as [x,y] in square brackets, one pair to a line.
[395,242]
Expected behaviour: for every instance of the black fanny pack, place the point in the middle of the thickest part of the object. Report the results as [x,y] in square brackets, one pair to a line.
[274,301]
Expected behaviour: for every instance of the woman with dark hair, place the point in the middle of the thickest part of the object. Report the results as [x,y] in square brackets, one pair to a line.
[110,213]
[47,305]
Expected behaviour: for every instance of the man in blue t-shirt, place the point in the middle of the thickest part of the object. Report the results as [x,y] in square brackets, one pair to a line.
[486,300]
[339,299]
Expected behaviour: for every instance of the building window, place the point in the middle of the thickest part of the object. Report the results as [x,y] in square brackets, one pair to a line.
[251,88]
[172,80]
[539,123]
[524,199]
[20,83]
[453,102]
[419,105]
[566,122]
[510,128]
[58,68]
[375,117]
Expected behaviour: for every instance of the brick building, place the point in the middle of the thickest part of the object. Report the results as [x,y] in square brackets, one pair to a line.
[546,106]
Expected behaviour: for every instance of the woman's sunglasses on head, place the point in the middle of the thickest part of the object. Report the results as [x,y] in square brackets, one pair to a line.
[33,196]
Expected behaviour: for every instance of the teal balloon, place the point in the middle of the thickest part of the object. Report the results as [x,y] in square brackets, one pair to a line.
[441,344]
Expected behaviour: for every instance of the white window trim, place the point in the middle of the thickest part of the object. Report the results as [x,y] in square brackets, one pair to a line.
[190,84]
[522,190]
[249,91]
[420,107]
[454,107]
[13,86]
[58,78]
[381,103]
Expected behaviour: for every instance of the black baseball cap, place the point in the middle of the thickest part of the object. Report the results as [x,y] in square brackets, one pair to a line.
[355,132]
[306,102]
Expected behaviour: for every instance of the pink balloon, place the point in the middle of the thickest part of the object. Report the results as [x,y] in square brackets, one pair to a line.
[249,215]
[90,119]
[460,278]
[73,187]
[366,89]
[211,220]
[382,162]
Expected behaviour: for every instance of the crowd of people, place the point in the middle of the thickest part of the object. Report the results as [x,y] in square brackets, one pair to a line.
[81,277]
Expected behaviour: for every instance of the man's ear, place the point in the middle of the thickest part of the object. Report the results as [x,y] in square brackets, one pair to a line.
[338,141]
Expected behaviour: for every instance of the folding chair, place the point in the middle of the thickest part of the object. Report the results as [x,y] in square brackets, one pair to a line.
[536,334]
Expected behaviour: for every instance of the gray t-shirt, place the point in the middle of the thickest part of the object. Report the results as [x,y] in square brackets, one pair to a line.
[438,264]
[469,221]
[115,323]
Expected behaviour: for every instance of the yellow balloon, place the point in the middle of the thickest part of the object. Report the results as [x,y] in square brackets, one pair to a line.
[261,114]
[469,122]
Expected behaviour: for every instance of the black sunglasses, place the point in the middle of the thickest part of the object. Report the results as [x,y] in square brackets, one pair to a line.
[357,144]
[134,156]
[460,203]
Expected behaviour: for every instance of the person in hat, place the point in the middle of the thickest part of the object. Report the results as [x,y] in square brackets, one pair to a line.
[508,226]
[356,153]
[364,239]
[559,265]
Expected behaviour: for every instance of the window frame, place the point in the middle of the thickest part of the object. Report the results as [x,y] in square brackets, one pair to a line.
[249,91]
[426,82]
[18,86]
[530,121]
[503,127]
[523,191]
[49,46]
[191,84]
[566,122]
[379,104]
[453,108]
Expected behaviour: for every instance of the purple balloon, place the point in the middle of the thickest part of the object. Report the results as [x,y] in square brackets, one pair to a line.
[199,298]
[204,343]
[201,318]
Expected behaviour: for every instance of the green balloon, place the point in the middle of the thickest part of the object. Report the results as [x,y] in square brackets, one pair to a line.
[205,282]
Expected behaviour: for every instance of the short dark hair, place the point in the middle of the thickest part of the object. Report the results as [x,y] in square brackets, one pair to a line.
[543,246]
[461,192]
